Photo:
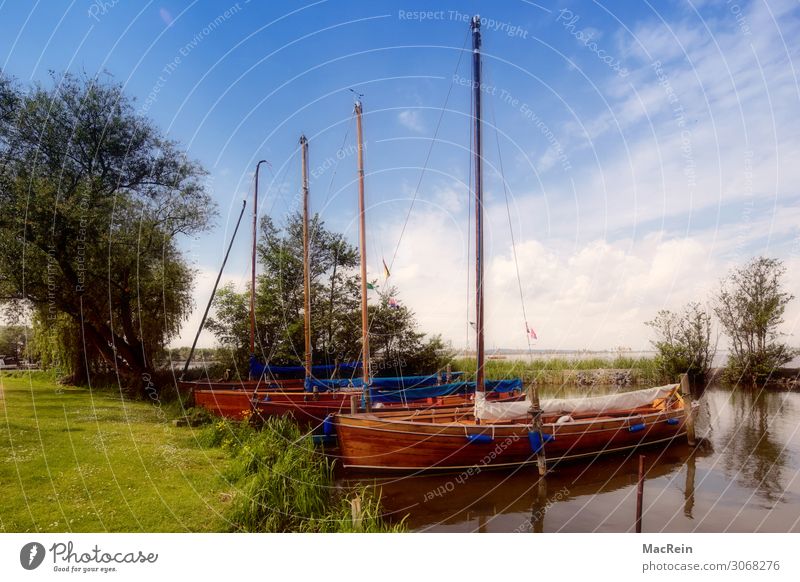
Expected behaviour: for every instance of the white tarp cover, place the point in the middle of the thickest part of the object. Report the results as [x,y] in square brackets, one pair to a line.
[487,410]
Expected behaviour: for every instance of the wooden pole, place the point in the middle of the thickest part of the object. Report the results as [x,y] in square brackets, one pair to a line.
[362,240]
[306,259]
[686,392]
[480,379]
[640,495]
[353,404]
[355,512]
[536,415]
[253,266]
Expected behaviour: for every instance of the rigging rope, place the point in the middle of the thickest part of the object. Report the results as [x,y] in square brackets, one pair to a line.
[428,155]
[510,225]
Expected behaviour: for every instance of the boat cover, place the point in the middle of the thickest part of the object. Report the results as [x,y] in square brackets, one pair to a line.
[418,393]
[388,383]
[486,410]
[257,369]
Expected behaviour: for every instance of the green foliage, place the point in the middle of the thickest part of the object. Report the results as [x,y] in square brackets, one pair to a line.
[14,340]
[94,198]
[284,485]
[750,307]
[396,347]
[683,342]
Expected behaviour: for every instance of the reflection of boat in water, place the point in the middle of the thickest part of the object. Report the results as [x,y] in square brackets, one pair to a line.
[520,502]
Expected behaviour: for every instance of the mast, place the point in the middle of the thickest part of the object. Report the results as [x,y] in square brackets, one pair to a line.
[476,89]
[306,265]
[253,273]
[362,240]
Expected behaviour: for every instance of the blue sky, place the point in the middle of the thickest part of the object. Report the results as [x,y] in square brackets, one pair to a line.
[646,148]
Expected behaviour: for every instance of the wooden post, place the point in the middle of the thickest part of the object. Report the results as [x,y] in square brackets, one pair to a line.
[536,414]
[686,392]
[449,376]
[640,495]
[362,244]
[355,512]
[353,404]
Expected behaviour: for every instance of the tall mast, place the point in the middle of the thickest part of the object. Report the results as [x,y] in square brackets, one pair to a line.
[476,89]
[253,273]
[362,240]
[306,264]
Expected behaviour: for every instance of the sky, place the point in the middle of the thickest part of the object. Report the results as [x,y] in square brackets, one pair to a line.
[634,152]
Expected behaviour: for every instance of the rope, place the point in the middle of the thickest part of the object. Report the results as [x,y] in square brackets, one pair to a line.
[510,227]
[428,155]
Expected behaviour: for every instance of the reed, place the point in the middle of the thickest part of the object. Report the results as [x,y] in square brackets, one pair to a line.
[282,484]
[564,370]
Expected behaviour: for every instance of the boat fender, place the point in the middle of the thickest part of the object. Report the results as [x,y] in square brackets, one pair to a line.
[536,441]
[565,419]
[673,421]
[328,427]
[636,427]
[480,438]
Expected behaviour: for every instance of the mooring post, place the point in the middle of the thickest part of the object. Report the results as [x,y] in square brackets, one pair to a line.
[640,495]
[536,426]
[353,404]
[355,512]
[686,392]
[449,374]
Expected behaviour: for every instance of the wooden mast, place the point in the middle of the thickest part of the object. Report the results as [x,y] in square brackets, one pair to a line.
[253,272]
[479,319]
[306,259]
[362,240]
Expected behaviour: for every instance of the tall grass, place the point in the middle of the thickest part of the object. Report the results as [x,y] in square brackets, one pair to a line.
[645,369]
[284,485]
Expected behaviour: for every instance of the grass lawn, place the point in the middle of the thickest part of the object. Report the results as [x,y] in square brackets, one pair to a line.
[85,461]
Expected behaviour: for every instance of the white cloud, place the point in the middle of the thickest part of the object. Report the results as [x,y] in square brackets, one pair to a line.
[412,120]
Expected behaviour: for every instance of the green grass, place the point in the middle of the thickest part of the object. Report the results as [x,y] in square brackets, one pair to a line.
[284,485]
[79,460]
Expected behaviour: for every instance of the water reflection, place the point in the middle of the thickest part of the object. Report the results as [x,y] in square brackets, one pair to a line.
[741,477]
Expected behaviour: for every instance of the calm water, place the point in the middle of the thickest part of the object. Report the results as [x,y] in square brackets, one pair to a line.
[743,478]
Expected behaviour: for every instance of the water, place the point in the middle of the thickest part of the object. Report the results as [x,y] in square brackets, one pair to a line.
[742,478]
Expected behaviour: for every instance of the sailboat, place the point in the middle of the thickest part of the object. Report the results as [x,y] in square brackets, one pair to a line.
[324,397]
[505,434]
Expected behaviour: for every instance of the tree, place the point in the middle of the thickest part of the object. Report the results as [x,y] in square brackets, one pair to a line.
[683,341]
[94,198]
[396,346]
[14,340]
[750,306]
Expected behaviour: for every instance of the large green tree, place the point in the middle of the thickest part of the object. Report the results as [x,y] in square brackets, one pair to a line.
[94,198]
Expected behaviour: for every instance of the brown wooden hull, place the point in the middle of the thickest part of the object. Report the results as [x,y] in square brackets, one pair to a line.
[312,409]
[379,442]
[234,399]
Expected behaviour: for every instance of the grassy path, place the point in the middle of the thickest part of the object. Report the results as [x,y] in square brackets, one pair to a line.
[76,460]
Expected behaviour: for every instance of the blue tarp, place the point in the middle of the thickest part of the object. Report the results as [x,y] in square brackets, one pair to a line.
[410,394]
[388,383]
[257,369]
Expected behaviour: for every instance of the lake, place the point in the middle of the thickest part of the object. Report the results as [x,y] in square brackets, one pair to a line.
[742,477]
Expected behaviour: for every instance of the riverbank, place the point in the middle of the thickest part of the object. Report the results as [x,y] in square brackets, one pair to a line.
[80,460]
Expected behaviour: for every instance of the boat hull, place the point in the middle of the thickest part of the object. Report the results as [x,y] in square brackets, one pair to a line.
[313,409]
[234,399]
[370,442]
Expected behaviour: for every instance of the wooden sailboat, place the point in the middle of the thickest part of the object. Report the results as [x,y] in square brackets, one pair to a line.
[319,402]
[504,434]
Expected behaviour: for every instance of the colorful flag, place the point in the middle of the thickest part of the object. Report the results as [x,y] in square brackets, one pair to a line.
[386,272]
[531,333]
[393,303]
[371,286]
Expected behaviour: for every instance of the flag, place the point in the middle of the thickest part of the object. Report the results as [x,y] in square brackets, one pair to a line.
[531,332]
[393,303]
[386,272]
[371,286]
